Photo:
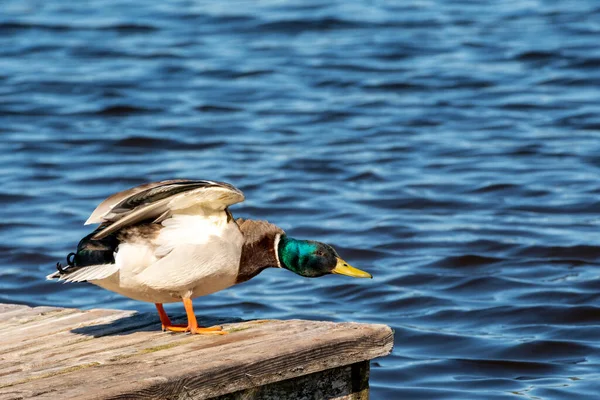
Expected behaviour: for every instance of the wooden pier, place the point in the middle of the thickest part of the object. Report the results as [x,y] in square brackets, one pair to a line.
[61,353]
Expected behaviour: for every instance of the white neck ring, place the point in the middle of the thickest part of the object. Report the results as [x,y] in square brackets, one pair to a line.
[276,248]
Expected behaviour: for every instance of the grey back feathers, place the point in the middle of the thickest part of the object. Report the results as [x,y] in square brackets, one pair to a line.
[140,234]
[258,251]
[159,200]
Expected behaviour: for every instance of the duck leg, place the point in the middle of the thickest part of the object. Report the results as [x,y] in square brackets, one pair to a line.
[164,318]
[192,325]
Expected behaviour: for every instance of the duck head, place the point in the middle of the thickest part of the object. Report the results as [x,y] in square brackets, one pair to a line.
[313,259]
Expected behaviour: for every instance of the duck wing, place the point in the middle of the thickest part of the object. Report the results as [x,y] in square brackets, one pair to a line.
[110,202]
[159,200]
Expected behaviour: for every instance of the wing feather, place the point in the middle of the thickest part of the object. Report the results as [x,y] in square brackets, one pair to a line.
[162,199]
[111,201]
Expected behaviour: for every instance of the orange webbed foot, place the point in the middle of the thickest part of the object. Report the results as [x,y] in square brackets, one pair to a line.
[213,330]
[192,325]
[174,327]
[196,330]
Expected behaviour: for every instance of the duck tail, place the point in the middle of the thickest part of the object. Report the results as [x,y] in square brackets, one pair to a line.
[63,271]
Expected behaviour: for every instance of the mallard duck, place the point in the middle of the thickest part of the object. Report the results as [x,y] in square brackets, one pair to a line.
[175,240]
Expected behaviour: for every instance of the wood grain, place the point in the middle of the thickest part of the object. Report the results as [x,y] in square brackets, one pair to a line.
[111,354]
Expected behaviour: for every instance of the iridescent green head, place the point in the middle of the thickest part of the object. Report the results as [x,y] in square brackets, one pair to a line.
[312,259]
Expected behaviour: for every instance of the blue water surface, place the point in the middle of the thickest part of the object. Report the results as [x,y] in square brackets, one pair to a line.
[452,148]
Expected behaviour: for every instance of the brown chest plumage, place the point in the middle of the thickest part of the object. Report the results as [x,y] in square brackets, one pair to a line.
[258,251]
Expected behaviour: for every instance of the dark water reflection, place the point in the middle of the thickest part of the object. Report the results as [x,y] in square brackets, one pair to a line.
[451,148]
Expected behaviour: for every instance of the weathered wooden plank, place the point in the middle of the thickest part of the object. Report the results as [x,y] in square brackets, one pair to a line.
[4,308]
[124,355]
[350,382]
[16,316]
[33,328]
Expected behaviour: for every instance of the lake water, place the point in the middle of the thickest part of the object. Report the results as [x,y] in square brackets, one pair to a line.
[451,148]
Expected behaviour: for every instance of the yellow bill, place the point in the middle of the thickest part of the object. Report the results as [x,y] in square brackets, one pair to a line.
[343,268]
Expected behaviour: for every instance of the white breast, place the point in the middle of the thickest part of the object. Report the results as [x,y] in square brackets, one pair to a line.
[195,255]
[203,253]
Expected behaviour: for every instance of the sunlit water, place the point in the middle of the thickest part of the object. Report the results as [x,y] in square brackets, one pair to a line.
[450,148]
